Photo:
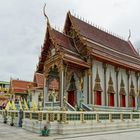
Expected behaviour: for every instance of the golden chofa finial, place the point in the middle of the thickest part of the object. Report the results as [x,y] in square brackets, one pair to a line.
[44,11]
[129,35]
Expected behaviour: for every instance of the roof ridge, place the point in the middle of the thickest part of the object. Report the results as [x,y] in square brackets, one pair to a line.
[100,28]
[20,80]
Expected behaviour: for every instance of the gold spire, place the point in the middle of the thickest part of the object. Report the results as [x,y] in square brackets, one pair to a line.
[110,85]
[97,86]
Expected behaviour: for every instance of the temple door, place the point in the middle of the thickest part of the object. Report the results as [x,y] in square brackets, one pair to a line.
[111,99]
[133,101]
[123,100]
[98,95]
[71,99]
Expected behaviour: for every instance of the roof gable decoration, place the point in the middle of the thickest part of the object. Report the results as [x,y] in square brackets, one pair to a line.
[79,43]
[110,85]
[97,86]
[49,32]
[102,37]
[122,89]
[132,89]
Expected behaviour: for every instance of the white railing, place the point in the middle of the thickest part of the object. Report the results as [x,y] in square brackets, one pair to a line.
[68,116]
[110,109]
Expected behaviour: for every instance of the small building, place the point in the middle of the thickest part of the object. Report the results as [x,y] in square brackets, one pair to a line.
[36,90]
[19,89]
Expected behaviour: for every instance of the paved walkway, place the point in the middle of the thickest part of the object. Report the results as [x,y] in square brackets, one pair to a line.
[12,133]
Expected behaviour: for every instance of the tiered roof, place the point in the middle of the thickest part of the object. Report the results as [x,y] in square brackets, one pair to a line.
[103,45]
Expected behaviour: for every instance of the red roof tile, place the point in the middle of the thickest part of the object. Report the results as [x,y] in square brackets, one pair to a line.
[64,42]
[19,86]
[104,38]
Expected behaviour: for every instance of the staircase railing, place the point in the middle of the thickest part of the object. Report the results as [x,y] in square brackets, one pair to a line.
[70,108]
[86,107]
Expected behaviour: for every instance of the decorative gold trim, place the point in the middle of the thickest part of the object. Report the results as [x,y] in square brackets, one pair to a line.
[122,89]
[97,86]
[110,86]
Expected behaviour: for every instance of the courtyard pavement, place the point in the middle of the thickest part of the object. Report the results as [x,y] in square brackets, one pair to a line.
[12,133]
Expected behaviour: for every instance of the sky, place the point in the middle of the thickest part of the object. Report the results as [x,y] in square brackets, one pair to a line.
[23,26]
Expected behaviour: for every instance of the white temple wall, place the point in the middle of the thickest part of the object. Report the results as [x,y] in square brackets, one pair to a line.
[98,65]
[111,69]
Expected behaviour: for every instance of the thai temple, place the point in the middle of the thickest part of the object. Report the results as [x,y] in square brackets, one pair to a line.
[89,67]
[87,80]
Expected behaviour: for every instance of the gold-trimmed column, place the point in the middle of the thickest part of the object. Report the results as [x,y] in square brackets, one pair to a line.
[105,93]
[128,90]
[89,85]
[117,88]
[61,84]
[137,90]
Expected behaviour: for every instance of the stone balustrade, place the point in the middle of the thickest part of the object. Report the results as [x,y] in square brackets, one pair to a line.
[66,122]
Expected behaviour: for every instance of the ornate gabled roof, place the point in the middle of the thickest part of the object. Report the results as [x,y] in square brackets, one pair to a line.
[104,45]
[64,44]
[89,40]
[122,89]
[93,33]
[132,89]
[97,86]
[110,85]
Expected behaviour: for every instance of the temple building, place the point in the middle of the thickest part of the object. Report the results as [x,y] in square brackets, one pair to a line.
[89,66]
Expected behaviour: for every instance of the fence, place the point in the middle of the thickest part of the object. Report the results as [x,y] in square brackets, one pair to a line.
[68,116]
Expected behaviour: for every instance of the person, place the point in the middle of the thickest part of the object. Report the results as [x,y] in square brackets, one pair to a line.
[45,131]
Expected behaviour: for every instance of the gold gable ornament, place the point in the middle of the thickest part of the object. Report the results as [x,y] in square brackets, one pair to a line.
[110,86]
[122,89]
[97,86]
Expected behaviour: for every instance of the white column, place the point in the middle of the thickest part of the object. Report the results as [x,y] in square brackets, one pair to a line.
[45,91]
[89,86]
[137,91]
[62,86]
